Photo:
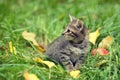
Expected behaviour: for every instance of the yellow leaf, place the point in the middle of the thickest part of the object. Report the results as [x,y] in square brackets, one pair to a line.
[30,76]
[37,59]
[48,63]
[100,63]
[28,36]
[106,42]
[40,48]
[15,51]
[94,35]
[31,37]
[75,73]
[10,47]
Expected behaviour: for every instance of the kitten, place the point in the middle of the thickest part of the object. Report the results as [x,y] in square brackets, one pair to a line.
[70,49]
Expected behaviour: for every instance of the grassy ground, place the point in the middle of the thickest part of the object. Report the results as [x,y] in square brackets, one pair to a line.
[47,19]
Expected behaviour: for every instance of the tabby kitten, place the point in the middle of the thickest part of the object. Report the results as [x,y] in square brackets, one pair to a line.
[70,49]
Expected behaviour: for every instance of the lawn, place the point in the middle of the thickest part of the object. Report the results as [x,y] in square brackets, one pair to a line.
[47,19]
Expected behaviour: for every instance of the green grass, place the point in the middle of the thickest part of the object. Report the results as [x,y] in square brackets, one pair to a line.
[47,19]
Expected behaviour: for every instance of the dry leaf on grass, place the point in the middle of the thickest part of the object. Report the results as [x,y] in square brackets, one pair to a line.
[48,63]
[40,48]
[99,51]
[31,37]
[75,73]
[29,76]
[94,35]
[12,48]
[106,42]
[100,63]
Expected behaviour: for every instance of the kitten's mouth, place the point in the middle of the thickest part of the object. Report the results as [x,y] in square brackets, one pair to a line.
[74,35]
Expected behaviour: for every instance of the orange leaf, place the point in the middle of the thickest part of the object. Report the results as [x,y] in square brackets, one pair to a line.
[94,35]
[40,48]
[99,51]
[106,42]
[31,37]
[30,76]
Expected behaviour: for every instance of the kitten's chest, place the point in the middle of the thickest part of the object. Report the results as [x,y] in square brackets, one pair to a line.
[75,51]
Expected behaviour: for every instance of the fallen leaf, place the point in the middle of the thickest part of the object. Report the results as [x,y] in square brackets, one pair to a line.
[94,35]
[99,51]
[40,48]
[36,59]
[28,36]
[12,48]
[31,37]
[100,63]
[15,51]
[106,42]
[48,63]
[30,76]
[75,73]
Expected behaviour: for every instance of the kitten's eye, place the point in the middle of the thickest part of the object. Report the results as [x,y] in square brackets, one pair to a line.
[78,26]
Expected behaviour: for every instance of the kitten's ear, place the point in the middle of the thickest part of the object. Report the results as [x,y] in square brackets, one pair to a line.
[80,23]
[72,18]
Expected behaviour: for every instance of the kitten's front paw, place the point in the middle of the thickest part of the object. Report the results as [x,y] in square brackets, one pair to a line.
[78,64]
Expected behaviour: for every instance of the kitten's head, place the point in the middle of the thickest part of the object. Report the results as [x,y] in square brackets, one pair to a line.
[75,30]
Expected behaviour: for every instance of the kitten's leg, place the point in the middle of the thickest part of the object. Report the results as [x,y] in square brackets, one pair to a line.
[64,59]
[80,61]
[66,62]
